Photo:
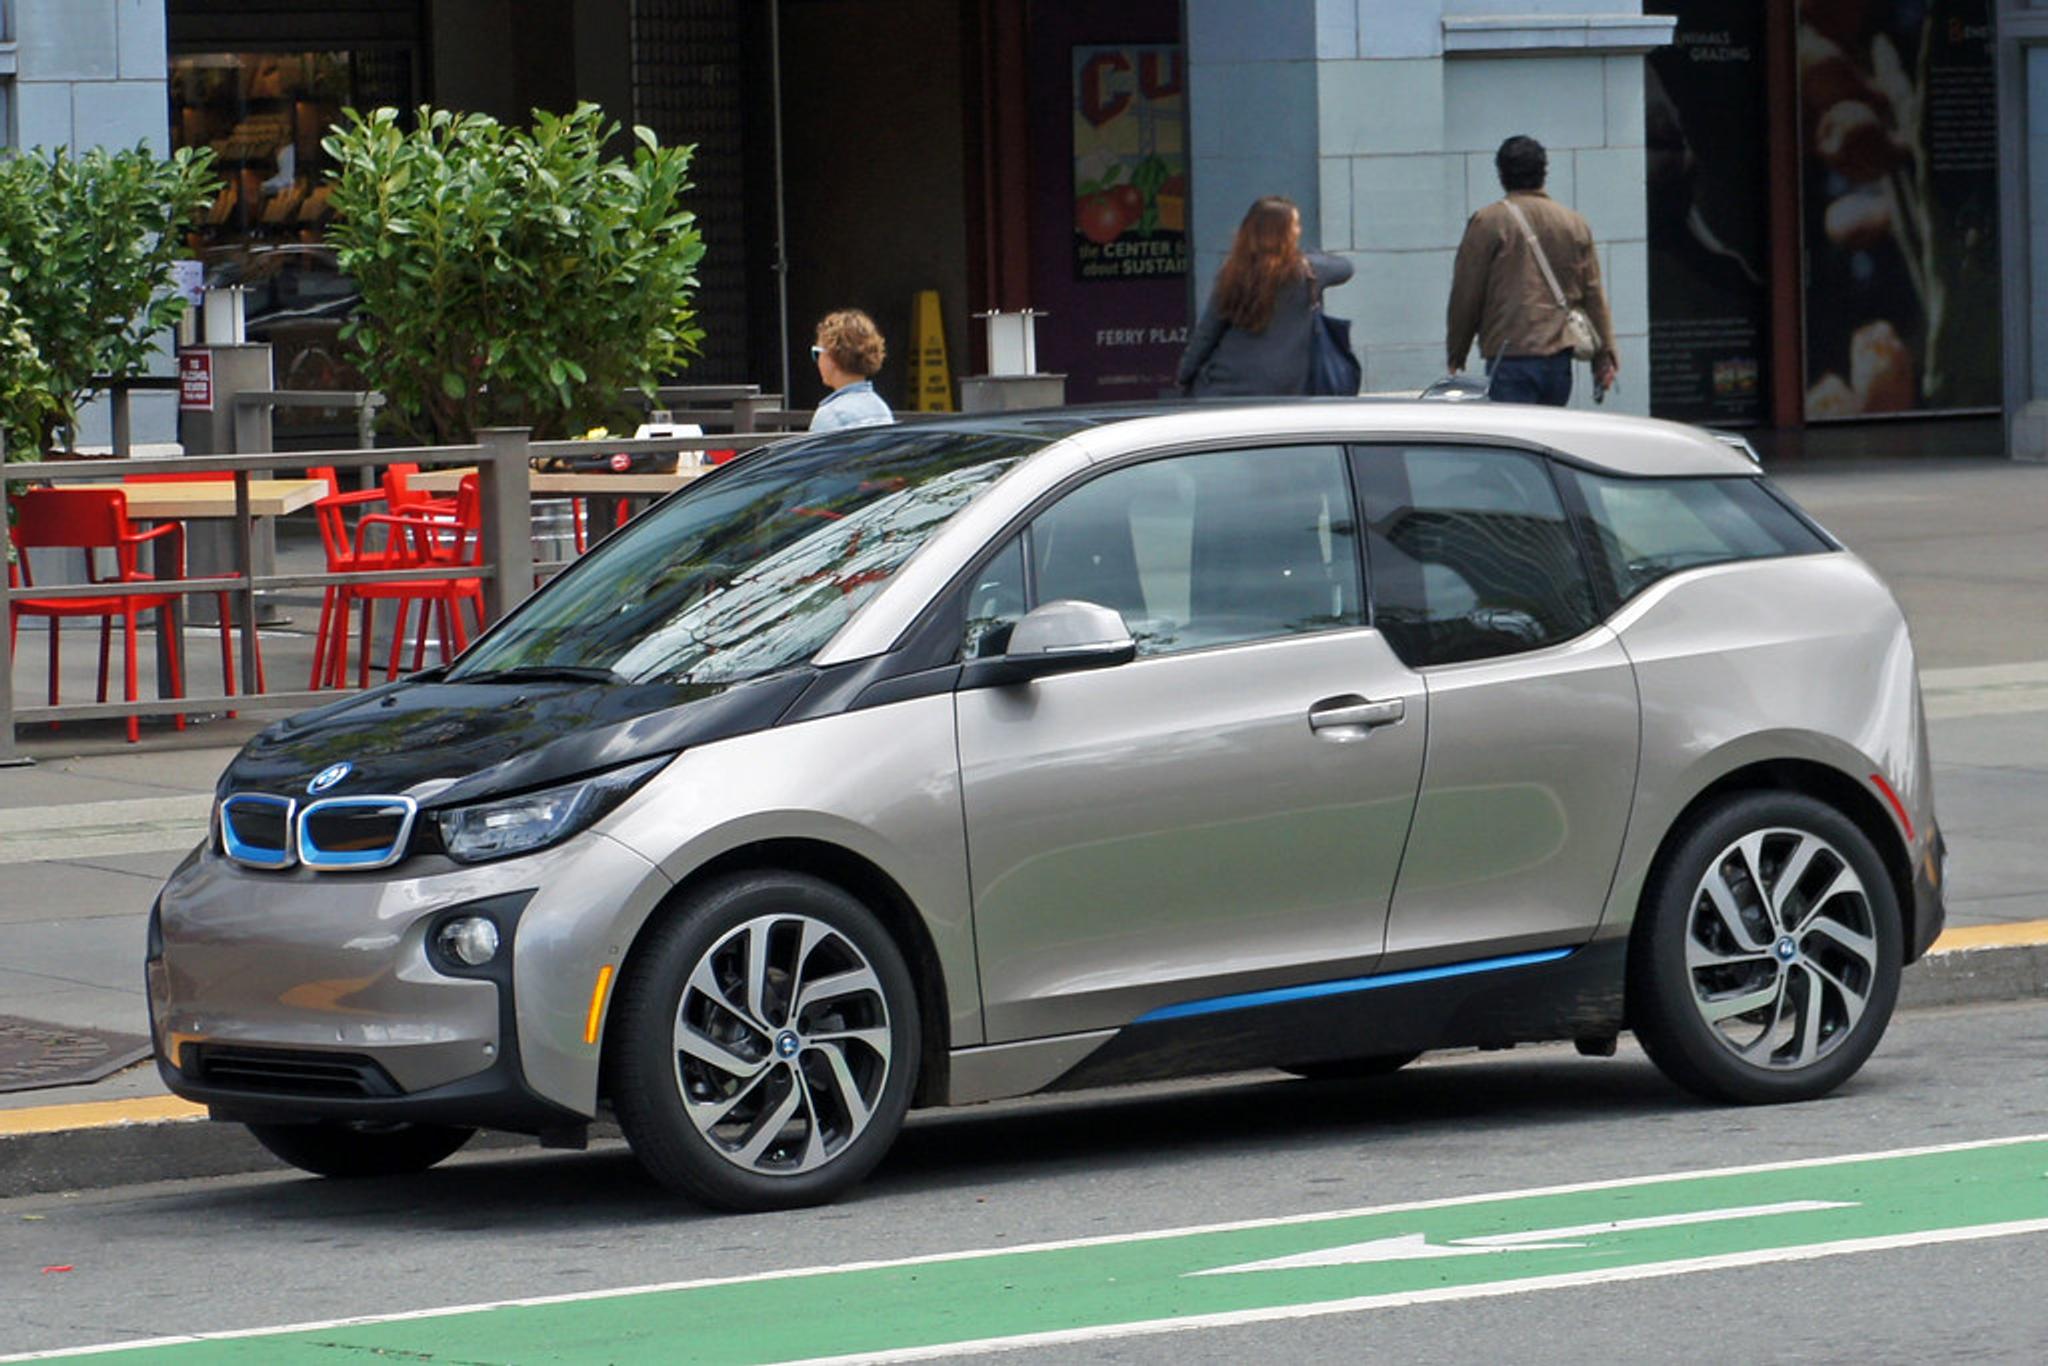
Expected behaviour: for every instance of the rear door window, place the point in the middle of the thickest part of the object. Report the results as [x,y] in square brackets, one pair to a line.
[1471,553]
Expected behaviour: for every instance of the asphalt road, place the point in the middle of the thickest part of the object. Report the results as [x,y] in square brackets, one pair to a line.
[249,1252]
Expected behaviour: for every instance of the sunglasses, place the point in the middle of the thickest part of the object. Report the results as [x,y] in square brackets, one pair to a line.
[817,351]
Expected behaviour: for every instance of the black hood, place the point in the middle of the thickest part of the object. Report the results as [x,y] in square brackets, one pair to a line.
[486,738]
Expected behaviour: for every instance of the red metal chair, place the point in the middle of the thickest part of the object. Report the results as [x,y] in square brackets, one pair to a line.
[338,539]
[94,519]
[412,541]
[202,477]
[403,497]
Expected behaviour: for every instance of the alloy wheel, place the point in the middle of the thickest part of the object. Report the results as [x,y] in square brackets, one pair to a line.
[1781,948]
[782,1044]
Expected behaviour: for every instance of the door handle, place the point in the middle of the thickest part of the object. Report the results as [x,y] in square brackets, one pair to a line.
[1359,713]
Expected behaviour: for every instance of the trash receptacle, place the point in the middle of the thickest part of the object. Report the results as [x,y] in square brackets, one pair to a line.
[554,536]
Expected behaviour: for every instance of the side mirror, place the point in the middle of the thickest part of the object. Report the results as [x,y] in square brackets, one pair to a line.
[1057,638]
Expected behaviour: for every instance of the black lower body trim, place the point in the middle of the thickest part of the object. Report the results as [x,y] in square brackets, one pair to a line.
[495,1098]
[1575,997]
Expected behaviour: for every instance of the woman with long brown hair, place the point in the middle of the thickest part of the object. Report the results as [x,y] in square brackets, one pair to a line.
[1254,336]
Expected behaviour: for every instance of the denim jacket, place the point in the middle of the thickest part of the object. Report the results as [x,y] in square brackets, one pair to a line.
[857,405]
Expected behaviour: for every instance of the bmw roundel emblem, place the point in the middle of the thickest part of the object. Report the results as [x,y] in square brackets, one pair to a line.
[329,776]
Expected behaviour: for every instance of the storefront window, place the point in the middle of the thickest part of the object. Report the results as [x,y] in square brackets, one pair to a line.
[264,114]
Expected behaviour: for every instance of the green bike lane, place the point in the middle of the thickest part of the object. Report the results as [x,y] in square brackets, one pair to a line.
[1354,1261]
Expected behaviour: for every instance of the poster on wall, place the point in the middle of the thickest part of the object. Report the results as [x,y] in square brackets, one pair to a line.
[1710,305]
[1130,163]
[1899,167]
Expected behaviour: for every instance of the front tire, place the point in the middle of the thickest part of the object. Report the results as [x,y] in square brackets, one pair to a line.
[766,1041]
[354,1149]
[1765,963]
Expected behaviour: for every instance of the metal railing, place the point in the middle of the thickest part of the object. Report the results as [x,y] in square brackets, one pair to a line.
[503,460]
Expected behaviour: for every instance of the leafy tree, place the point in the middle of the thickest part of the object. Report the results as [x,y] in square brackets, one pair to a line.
[27,386]
[86,244]
[512,277]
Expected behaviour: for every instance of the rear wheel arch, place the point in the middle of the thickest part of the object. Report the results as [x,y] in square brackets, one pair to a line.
[1824,783]
[867,883]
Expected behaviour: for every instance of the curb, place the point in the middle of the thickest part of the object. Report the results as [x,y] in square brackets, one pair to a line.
[103,1144]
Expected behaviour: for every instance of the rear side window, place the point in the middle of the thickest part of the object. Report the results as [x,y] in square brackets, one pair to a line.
[1472,556]
[1645,529]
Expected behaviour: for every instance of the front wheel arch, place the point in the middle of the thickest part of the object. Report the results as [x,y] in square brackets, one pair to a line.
[867,883]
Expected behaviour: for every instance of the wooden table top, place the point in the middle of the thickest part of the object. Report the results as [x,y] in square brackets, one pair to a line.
[588,483]
[154,502]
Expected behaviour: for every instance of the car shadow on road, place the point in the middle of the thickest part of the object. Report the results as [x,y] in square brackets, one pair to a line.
[1131,1126]
[1096,1133]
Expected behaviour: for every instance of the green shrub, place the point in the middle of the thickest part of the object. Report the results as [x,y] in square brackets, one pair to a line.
[27,386]
[508,277]
[86,244]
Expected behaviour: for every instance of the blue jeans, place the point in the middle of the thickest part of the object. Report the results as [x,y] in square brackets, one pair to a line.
[1531,379]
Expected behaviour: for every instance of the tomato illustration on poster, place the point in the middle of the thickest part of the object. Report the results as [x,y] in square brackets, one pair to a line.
[1130,163]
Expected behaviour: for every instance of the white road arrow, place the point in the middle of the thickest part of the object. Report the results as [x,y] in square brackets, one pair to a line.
[1403,1247]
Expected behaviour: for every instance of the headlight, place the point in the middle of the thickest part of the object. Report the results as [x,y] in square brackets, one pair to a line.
[517,825]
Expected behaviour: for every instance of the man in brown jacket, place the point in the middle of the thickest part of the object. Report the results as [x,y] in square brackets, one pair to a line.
[1498,291]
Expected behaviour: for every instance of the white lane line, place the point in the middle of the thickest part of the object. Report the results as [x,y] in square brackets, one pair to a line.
[141,825]
[1360,1304]
[1098,1240]
[1987,690]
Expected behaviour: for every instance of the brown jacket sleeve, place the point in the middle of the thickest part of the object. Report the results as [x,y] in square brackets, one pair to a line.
[1596,297]
[1468,289]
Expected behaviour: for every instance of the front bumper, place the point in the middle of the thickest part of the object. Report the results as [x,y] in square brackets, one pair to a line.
[295,995]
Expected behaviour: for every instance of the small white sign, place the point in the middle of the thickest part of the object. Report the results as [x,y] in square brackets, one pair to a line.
[188,279]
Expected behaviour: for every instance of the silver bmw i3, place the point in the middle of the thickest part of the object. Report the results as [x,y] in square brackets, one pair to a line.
[931,764]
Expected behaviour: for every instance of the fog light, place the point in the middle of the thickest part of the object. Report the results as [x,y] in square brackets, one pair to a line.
[471,940]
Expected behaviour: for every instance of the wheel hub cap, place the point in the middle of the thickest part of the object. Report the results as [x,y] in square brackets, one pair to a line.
[1781,948]
[782,1044]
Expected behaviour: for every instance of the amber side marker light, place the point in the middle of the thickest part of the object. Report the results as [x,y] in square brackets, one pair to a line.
[596,1015]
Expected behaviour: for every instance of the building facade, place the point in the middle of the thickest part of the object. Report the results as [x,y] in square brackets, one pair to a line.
[1808,212]
[1381,117]
[87,73]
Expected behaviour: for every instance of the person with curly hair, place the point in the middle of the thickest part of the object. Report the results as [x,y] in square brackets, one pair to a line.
[1254,336]
[849,351]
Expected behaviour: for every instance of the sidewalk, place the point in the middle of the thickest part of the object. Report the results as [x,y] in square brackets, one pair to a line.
[89,833]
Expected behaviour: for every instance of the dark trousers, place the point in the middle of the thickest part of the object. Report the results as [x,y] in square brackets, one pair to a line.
[1531,379]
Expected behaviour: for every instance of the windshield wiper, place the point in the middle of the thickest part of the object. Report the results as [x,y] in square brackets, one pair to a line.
[541,673]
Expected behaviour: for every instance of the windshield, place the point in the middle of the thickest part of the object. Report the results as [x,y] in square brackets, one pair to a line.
[755,569]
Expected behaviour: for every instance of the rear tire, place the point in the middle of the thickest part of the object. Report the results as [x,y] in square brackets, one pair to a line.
[352,1149]
[765,1044]
[1765,962]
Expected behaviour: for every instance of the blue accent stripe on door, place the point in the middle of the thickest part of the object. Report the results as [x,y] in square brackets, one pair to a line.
[1278,995]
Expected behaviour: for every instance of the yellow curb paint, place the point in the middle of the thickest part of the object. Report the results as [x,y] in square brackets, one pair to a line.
[102,1114]
[2017,935]
[98,1114]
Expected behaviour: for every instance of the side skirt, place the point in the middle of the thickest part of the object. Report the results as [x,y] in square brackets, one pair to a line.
[1576,996]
